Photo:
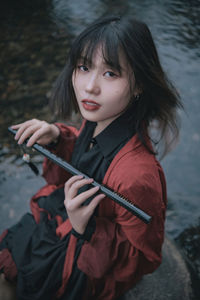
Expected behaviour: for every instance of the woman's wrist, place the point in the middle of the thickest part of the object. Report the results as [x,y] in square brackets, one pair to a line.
[89,230]
[55,137]
[56,133]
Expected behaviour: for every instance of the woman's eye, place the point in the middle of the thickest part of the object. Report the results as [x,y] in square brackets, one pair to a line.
[83,68]
[110,74]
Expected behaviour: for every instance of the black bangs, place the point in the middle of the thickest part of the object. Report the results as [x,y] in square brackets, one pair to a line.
[86,45]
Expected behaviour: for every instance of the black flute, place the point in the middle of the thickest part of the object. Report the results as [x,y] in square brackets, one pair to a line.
[105,190]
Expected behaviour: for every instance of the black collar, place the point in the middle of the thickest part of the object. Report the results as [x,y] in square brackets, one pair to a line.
[116,133]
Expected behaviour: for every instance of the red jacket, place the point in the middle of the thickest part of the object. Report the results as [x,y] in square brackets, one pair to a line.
[122,248]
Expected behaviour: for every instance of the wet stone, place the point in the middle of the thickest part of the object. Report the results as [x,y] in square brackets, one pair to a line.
[15,201]
[189,242]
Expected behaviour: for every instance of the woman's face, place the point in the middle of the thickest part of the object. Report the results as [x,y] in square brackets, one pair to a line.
[102,93]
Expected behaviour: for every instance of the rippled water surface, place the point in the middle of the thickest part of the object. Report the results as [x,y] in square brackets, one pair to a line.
[34,40]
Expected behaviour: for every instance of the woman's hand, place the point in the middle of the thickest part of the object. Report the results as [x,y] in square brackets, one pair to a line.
[80,215]
[37,131]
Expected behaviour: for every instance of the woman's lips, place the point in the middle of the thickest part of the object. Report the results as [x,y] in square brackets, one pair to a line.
[90,104]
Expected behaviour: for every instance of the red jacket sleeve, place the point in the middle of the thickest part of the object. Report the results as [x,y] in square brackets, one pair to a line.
[123,248]
[52,173]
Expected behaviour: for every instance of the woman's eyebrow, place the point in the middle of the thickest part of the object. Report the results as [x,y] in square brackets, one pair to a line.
[115,68]
[85,59]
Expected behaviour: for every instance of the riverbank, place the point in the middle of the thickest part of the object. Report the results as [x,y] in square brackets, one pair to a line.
[188,243]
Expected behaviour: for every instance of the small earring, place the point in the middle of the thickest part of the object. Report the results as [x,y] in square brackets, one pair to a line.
[137,97]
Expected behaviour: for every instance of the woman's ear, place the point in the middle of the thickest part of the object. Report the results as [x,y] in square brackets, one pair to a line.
[137,92]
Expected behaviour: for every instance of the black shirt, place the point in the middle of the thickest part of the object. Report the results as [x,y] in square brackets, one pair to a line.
[94,161]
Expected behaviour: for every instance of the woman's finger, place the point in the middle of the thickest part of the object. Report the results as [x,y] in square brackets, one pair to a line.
[22,127]
[69,182]
[73,191]
[93,204]
[81,198]
[28,132]
[74,183]
[16,126]
[37,134]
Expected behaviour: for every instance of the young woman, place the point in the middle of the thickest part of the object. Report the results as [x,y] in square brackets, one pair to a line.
[76,243]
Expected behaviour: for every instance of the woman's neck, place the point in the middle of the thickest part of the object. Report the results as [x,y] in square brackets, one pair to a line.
[101,125]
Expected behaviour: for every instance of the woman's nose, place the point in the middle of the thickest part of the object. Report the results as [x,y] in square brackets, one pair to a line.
[93,85]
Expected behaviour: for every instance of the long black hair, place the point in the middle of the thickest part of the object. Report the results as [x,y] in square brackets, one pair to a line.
[158,100]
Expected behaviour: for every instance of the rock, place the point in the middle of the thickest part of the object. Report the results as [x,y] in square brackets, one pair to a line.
[189,242]
[169,282]
[7,290]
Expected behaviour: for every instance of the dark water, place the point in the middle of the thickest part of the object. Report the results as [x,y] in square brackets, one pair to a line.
[34,40]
